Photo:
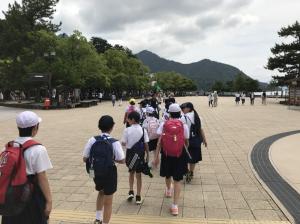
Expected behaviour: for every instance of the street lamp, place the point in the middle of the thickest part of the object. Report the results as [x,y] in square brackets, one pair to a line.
[49,56]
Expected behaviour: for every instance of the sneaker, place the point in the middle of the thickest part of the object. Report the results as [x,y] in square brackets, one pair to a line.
[97,221]
[168,193]
[188,177]
[130,196]
[174,210]
[138,200]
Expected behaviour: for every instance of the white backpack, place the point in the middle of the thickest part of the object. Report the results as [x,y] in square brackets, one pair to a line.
[152,126]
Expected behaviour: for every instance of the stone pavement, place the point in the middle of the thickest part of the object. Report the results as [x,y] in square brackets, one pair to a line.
[285,157]
[224,186]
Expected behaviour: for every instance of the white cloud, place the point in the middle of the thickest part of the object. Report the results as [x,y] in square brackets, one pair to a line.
[238,32]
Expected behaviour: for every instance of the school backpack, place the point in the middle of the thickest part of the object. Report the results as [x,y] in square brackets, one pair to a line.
[131,108]
[152,126]
[195,139]
[135,159]
[16,189]
[173,138]
[101,158]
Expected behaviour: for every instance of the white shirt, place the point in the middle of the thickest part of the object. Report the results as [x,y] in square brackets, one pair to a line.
[186,130]
[36,157]
[117,148]
[190,119]
[133,134]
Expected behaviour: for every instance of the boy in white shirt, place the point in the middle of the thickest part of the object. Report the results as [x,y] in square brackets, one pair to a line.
[37,161]
[136,139]
[106,184]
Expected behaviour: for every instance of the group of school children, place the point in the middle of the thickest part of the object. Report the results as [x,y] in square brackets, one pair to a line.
[175,141]
[142,136]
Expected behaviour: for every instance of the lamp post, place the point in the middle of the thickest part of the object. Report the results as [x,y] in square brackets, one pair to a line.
[49,56]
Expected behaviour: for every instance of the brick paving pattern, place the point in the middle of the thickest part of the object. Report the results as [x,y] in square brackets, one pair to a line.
[224,186]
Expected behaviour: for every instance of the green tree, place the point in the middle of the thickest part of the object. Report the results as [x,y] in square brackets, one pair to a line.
[218,86]
[286,56]
[100,44]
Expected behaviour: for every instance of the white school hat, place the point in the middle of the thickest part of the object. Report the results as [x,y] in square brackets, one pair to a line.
[174,108]
[149,110]
[27,119]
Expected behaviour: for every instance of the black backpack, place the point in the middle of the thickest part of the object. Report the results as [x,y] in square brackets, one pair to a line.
[195,139]
[101,158]
[135,159]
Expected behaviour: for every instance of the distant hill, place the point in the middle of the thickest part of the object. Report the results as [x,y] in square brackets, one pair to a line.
[204,72]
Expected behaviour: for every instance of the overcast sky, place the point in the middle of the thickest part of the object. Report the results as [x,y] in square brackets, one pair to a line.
[237,32]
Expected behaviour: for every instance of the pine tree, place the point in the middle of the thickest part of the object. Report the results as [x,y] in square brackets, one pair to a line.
[286,57]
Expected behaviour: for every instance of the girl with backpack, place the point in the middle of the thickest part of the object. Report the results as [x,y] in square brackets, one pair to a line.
[131,108]
[151,124]
[197,137]
[174,135]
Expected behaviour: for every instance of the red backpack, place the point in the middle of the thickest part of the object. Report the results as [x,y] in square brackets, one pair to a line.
[15,189]
[173,138]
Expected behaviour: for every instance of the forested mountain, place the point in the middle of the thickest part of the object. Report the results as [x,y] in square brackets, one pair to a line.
[205,72]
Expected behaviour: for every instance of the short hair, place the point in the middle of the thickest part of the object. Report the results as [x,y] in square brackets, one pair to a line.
[132,103]
[134,116]
[25,132]
[106,123]
[175,114]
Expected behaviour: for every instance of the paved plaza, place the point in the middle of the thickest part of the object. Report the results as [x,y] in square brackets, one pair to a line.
[224,186]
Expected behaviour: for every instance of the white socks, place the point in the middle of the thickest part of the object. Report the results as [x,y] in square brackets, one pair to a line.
[99,215]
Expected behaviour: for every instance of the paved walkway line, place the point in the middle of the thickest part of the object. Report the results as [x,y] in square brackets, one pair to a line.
[287,198]
[63,216]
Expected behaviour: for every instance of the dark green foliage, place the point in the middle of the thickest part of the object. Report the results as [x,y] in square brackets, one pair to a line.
[205,73]
[286,56]
[239,84]
[172,81]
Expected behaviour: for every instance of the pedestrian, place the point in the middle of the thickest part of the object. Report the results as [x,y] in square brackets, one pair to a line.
[131,108]
[101,153]
[166,114]
[135,139]
[151,124]
[37,162]
[1,96]
[252,98]
[174,135]
[100,96]
[215,98]
[113,99]
[196,137]
[154,104]
[243,97]
[264,98]
[121,100]
[237,98]
[210,100]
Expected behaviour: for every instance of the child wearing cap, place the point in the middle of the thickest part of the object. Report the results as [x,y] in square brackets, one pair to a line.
[135,139]
[131,108]
[37,162]
[151,124]
[172,167]
[107,185]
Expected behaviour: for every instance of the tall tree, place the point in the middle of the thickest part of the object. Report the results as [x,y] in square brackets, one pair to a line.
[100,44]
[286,56]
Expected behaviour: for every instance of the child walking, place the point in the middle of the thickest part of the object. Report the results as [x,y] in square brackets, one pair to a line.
[197,137]
[135,139]
[174,135]
[151,124]
[37,162]
[100,154]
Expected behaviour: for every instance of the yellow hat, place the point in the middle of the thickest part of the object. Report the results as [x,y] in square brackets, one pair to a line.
[132,100]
